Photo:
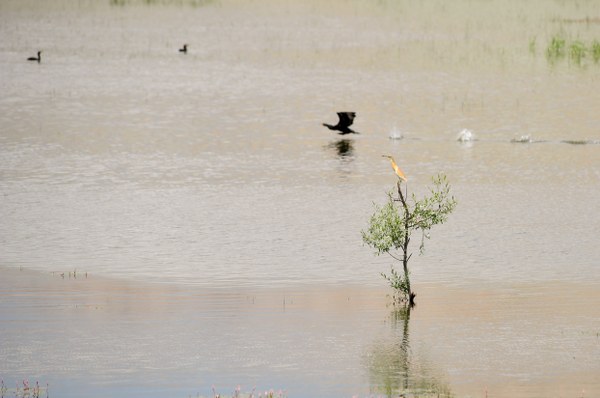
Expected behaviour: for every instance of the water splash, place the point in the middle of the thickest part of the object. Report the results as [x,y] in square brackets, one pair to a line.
[524,139]
[465,135]
[395,134]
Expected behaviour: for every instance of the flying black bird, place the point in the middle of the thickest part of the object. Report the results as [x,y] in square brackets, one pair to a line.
[38,58]
[343,125]
[183,49]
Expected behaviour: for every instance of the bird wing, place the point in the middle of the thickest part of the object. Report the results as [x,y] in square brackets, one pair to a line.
[399,172]
[346,118]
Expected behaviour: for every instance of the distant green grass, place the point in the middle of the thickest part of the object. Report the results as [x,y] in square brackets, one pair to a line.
[595,50]
[576,51]
[556,48]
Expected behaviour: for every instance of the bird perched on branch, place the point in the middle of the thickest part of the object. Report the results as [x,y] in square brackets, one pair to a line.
[343,125]
[397,170]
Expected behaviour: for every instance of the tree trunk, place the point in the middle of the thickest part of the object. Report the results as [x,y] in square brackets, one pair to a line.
[405,257]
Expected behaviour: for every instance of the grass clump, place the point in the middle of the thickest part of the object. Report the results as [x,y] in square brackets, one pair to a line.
[595,50]
[576,50]
[237,393]
[24,390]
[556,48]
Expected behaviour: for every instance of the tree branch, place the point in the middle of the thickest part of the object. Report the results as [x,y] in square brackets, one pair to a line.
[394,257]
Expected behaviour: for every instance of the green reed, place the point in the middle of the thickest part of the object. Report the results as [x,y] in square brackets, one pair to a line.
[556,48]
[575,51]
[595,50]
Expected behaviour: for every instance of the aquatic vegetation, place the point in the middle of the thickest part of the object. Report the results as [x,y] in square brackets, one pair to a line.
[576,50]
[24,389]
[595,50]
[71,274]
[556,48]
[391,226]
[237,393]
[532,45]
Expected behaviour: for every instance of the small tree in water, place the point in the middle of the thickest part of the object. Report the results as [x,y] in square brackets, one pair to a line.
[392,225]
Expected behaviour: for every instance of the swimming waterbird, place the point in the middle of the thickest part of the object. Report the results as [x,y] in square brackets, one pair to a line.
[38,58]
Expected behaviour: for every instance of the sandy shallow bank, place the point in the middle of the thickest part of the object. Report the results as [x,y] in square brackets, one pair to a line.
[109,336]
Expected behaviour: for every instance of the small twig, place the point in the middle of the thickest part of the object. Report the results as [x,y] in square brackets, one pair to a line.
[394,257]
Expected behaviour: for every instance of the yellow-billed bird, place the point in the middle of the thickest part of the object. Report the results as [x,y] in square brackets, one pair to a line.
[397,170]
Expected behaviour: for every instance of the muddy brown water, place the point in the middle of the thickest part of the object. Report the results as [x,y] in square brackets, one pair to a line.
[219,221]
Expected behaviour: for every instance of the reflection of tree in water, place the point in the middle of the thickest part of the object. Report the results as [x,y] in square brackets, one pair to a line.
[344,147]
[395,371]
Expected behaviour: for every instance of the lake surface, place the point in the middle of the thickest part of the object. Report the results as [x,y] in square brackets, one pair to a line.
[219,222]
